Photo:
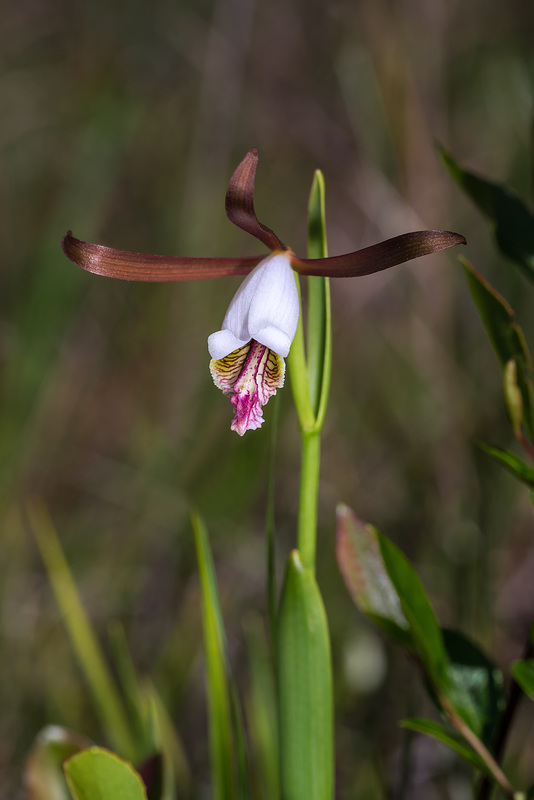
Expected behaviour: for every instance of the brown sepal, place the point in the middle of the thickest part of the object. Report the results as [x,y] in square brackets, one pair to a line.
[240,203]
[128,266]
[379,256]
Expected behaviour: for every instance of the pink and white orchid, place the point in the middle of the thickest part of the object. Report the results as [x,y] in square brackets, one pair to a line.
[260,324]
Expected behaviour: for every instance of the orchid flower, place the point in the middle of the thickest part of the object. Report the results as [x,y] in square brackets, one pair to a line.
[257,331]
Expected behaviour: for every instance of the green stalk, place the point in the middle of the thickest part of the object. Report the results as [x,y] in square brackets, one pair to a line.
[309,487]
[310,376]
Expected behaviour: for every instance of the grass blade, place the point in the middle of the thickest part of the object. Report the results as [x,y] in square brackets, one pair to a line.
[84,642]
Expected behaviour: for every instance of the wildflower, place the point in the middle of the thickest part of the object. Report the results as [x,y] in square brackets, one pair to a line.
[260,324]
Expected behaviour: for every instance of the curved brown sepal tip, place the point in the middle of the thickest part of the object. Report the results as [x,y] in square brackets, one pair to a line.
[379,256]
[240,203]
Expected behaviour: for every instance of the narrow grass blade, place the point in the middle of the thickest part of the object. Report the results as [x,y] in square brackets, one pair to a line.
[219,698]
[176,775]
[97,774]
[262,719]
[305,689]
[84,642]
[131,691]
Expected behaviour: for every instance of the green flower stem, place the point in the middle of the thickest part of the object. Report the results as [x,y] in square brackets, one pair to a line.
[310,376]
[309,488]
[298,372]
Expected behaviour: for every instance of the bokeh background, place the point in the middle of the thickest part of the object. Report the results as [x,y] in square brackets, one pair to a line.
[123,122]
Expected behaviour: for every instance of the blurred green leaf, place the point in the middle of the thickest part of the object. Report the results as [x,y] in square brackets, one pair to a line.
[515,465]
[442,734]
[305,689]
[424,628]
[513,222]
[513,398]
[475,687]
[108,702]
[262,720]
[386,587]
[166,739]
[364,571]
[505,335]
[43,772]
[219,700]
[523,672]
[98,774]
[131,691]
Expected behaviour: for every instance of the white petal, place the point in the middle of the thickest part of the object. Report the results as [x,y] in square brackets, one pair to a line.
[264,308]
[222,343]
[275,306]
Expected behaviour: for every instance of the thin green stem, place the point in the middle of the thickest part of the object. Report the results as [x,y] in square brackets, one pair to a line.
[309,488]
[457,722]
[298,372]
[269,525]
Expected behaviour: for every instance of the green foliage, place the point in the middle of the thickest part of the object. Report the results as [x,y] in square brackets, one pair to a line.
[319,329]
[508,341]
[84,641]
[305,689]
[512,221]
[424,629]
[362,566]
[441,734]
[221,722]
[466,686]
[43,773]
[98,774]
[523,672]
[475,686]
[512,463]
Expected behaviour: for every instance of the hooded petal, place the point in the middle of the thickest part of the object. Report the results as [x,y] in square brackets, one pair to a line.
[265,308]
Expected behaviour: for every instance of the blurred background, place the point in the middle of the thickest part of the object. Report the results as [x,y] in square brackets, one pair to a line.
[123,122]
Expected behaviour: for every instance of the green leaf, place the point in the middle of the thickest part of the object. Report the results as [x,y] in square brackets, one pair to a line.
[511,462]
[319,333]
[475,687]
[513,398]
[219,698]
[305,689]
[364,571]
[262,719]
[85,644]
[523,672]
[442,734]
[166,740]
[98,774]
[424,628]
[43,772]
[513,222]
[505,335]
